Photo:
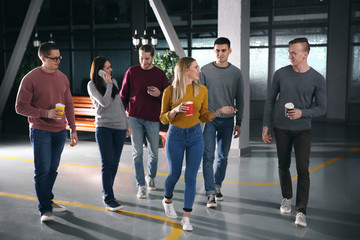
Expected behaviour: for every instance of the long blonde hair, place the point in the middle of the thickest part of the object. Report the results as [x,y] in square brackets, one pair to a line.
[179,83]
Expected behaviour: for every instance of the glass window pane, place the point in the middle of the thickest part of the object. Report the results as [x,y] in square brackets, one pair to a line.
[355,33]
[259,12]
[82,40]
[162,43]
[112,11]
[316,59]
[201,5]
[355,11]
[203,42]
[81,12]
[82,62]
[203,56]
[259,58]
[301,14]
[54,13]
[120,62]
[292,3]
[65,64]
[259,38]
[314,35]
[354,89]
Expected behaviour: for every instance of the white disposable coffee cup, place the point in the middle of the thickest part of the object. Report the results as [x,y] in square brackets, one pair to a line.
[288,106]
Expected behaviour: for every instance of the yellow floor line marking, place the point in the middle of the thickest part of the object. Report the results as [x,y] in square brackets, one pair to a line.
[353,150]
[175,226]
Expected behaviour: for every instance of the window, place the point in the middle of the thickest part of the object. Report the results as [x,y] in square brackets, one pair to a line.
[272,25]
[354,83]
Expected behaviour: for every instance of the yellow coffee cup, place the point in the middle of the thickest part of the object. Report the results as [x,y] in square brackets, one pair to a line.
[61,107]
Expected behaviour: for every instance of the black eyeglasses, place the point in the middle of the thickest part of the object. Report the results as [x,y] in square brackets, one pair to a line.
[54,58]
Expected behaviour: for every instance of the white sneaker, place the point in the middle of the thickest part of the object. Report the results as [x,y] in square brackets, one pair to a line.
[169,209]
[58,208]
[46,217]
[285,206]
[300,219]
[185,223]
[150,183]
[141,192]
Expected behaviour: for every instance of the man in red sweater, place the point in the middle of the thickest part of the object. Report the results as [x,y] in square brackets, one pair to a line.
[40,90]
[141,94]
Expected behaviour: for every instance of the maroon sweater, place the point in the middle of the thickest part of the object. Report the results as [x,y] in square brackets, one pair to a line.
[136,100]
[39,91]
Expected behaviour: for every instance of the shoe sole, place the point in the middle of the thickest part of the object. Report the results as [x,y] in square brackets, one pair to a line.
[59,209]
[141,197]
[151,189]
[300,224]
[187,229]
[46,219]
[211,205]
[114,209]
[219,199]
[285,212]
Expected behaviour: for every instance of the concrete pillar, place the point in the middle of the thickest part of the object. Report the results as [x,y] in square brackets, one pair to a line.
[337,60]
[234,23]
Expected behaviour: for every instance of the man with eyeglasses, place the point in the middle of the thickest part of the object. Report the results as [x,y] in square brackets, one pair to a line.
[298,84]
[40,90]
[225,88]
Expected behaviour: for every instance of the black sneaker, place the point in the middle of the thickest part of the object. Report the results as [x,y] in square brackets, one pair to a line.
[218,195]
[113,206]
[211,201]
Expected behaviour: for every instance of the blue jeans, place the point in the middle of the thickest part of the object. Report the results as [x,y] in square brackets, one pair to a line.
[47,147]
[220,130]
[180,140]
[150,130]
[110,142]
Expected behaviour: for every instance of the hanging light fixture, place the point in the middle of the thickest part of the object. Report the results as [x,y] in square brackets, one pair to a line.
[36,42]
[51,40]
[136,40]
[154,40]
[145,39]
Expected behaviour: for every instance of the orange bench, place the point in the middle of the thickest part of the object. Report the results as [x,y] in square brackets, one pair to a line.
[84,114]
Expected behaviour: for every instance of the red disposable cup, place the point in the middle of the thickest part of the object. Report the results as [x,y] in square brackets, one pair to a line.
[189,104]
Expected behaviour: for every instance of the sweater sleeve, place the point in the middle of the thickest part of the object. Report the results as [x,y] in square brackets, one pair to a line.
[319,108]
[23,100]
[125,89]
[239,98]
[103,100]
[271,99]
[204,112]
[166,106]
[69,110]
[164,85]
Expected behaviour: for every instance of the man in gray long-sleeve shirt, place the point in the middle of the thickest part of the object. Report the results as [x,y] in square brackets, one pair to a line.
[225,88]
[299,84]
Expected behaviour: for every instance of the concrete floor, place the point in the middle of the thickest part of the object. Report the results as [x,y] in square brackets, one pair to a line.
[251,191]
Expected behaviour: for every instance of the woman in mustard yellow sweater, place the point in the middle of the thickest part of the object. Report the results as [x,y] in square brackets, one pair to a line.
[184,134]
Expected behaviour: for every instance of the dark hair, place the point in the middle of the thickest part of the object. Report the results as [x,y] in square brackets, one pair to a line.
[45,48]
[304,42]
[147,48]
[222,40]
[97,64]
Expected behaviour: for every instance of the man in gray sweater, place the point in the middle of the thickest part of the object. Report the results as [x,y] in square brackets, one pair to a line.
[298,84]
[225,88]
